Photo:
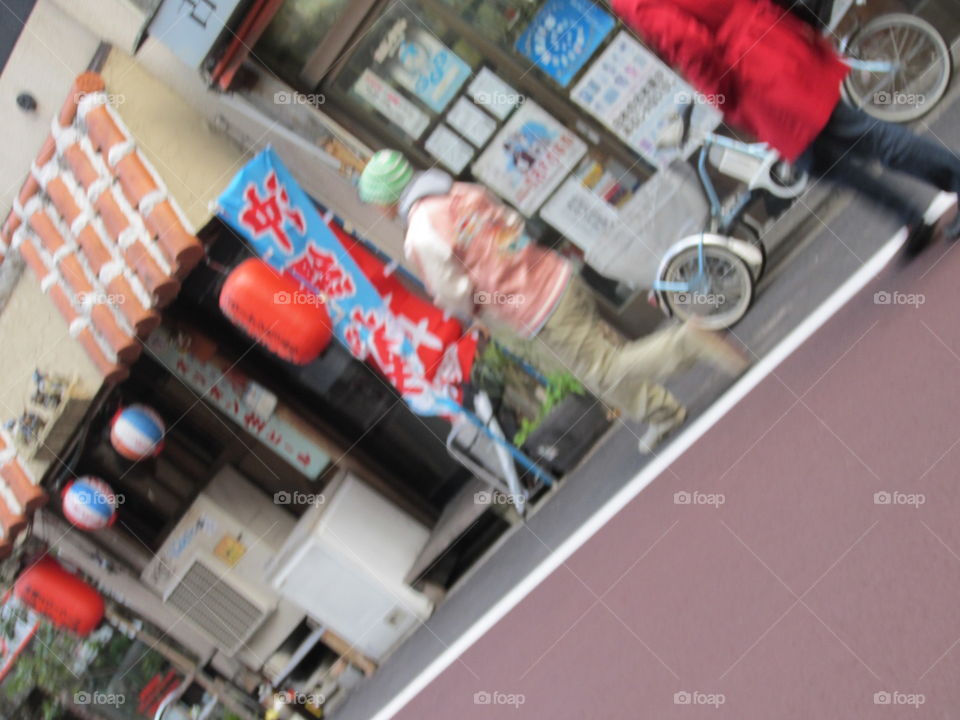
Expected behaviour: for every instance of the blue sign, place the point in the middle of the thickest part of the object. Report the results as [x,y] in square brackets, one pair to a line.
[563,36]
[266,206]
[429,69]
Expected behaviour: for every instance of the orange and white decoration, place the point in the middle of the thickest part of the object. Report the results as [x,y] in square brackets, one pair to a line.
[95,223]
[20,494]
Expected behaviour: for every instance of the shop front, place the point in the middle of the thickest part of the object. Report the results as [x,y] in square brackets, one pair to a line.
[178,450]
[552,104]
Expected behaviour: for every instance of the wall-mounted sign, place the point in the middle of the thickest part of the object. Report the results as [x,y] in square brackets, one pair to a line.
[563,36]
[529,158]
[422,64]
[191,27]
[400,111]
[450,149]
[635,95]
[226,391]
[471,122]
[581,215]
[493,94]
[21,626]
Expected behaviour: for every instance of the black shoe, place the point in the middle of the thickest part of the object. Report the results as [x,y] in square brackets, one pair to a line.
[917,241]
[952,229]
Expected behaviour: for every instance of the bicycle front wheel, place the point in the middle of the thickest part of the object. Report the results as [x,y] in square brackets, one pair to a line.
[911,67]
[719,295]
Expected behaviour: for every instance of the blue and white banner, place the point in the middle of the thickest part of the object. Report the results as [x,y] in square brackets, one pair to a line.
[266,205]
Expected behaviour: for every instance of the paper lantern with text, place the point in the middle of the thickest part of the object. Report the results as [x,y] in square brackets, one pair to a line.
[65,599]
[136,432]
[89,503]
[273,310]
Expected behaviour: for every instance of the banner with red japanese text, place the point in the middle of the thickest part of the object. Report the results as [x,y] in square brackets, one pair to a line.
[420,351]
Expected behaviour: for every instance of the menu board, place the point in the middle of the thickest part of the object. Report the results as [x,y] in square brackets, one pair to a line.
[628,243]
[493,93]
[471,122]
[635,95]
[400,111]
[427,68]
[450,149]
[563,36]
[582,216]
[529,158]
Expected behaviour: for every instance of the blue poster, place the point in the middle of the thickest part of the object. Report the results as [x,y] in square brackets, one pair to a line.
[429,69]
[563,36]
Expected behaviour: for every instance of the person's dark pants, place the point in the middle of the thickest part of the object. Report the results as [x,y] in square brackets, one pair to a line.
[853,140]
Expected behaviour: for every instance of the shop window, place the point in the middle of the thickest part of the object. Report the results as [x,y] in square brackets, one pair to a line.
[407,69]
[550,103]
[292,36]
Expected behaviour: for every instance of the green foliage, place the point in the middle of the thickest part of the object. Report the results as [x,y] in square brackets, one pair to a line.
[559,386]
[44,664]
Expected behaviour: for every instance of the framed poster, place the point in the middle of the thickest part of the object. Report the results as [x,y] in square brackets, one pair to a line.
[471,122]
[416,60]
[403,113]
[529,158]
[492,93]
[563,36]
[636,95]
[450,149]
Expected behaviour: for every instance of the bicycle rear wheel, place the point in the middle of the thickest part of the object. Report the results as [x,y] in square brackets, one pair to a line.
[919,72]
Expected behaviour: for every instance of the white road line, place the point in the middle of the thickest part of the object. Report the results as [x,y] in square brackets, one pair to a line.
[683,442]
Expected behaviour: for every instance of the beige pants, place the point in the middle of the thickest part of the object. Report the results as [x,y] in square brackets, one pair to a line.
[622,373]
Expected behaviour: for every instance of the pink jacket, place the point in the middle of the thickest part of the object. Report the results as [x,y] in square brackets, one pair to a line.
[475,259]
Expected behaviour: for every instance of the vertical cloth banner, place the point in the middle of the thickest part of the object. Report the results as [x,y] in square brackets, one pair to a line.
[423,353]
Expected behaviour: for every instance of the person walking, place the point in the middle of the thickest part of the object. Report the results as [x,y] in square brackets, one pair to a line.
[478,263]
[778,78]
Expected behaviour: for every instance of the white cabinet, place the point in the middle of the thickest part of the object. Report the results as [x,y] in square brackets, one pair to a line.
[344,565]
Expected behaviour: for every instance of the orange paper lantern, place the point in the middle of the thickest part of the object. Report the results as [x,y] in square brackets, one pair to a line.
[66,600]
[271,308]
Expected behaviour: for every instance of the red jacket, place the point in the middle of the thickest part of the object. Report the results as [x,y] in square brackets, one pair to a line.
[771,74]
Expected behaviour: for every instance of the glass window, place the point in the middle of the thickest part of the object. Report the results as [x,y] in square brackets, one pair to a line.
[408,69]
[500,21]
[294,34]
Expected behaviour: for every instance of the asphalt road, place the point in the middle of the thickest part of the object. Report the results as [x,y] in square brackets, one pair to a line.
[800,560]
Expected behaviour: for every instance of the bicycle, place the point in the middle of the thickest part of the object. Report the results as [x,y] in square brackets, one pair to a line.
[712,275]
[900,64]
[900,68]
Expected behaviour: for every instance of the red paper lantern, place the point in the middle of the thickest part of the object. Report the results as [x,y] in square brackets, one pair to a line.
[273,309]
[66,600]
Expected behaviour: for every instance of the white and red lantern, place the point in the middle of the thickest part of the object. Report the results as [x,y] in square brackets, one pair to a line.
[137,432]
[89,503]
